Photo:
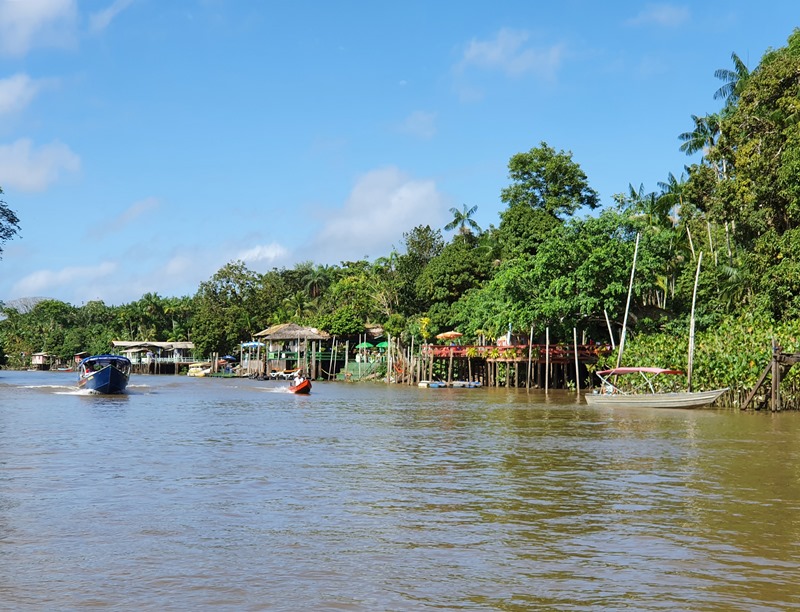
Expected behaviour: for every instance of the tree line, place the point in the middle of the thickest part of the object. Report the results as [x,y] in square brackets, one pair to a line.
[553,261]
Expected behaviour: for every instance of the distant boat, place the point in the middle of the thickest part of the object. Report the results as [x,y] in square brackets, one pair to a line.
[107,374]
[432,384]
[301,388]
[611,396]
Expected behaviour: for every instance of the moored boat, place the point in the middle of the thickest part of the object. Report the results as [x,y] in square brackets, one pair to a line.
[432,384]
[612,396]
[107,374]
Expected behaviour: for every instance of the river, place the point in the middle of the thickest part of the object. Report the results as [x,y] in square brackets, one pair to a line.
[233,494]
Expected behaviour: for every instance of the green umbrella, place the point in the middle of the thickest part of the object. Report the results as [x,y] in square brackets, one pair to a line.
[383,344]
[364,345]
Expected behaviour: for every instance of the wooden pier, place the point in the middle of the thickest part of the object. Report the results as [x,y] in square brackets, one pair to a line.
[520,366]
[779,365]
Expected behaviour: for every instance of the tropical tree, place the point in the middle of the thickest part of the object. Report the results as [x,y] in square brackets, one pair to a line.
[550,181]
[226,309]
[459,268]
[547,188]
[462,219]
[703,137]
[316,279]
[422,245]
[735,81]
[9,223]
[761,135]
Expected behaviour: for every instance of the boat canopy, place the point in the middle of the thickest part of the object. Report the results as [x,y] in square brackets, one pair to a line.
[106,359]
[619,371]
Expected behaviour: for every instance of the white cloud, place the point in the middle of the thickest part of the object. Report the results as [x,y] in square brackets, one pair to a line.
[25,24]
[27,168]
[668,15]
[102,19]
[383,204]
[507,52]
[420,125]
[266,253]
[16,92]
[47,282]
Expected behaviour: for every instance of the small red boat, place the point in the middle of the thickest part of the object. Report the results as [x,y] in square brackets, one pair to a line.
[303,387]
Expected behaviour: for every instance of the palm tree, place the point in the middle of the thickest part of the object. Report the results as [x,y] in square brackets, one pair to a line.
[297,305]
[317,279]
[462,219]
[703,137]
[735,80]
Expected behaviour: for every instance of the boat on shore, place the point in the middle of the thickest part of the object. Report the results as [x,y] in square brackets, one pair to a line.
[106,374]
[199,369]
[610,395]
[301,388]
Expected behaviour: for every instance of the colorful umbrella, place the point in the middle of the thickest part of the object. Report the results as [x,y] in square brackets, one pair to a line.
[451,335]
[383,344]
[363,345]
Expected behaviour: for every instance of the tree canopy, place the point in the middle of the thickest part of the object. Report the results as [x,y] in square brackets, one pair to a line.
[553,260]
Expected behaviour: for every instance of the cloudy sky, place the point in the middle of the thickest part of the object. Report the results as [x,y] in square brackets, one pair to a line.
[144,144]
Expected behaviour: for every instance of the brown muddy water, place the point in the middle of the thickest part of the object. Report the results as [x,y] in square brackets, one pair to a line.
[231,494]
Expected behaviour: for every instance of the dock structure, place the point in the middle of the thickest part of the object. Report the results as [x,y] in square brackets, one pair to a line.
[289,346]
[520,366]
[779,365]
[150,357]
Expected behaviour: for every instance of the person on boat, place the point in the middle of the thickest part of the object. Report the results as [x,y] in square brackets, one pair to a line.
[298,377]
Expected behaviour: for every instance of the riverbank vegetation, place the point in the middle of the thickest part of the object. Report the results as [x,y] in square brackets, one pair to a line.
[554,260]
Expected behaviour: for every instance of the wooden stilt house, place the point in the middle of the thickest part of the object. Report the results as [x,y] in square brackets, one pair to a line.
[291,347]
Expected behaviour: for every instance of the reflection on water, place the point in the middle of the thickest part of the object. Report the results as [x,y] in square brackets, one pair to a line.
[235,494]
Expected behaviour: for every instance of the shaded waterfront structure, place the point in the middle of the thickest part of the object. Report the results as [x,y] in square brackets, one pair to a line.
[151,357]
[291,346]
[525,365]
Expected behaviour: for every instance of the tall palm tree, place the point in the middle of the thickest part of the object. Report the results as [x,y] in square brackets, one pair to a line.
[703,137]
[735,80]
[462,219]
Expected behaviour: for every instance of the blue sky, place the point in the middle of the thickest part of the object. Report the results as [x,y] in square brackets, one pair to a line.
[144,144]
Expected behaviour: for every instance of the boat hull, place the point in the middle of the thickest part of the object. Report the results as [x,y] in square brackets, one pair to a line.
[108,380]
[302,388]
[431,384]
[698,399]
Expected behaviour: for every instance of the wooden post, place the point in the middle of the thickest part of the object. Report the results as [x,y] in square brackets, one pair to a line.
[450,368]
[628,303]
[776,380]
[610,332]
[690,361]
[530,361]
[547,361]
[577,362]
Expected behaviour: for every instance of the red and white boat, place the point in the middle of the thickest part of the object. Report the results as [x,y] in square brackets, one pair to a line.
[303,387]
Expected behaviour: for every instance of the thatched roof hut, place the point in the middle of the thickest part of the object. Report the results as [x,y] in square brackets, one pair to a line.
[292,331]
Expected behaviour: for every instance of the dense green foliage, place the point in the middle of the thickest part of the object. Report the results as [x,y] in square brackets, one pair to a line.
[551,263]
[9,223]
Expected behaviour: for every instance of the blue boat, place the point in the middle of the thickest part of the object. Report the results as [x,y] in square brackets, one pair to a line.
[107,374]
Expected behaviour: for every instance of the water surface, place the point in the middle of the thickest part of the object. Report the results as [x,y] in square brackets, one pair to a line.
[235,494]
